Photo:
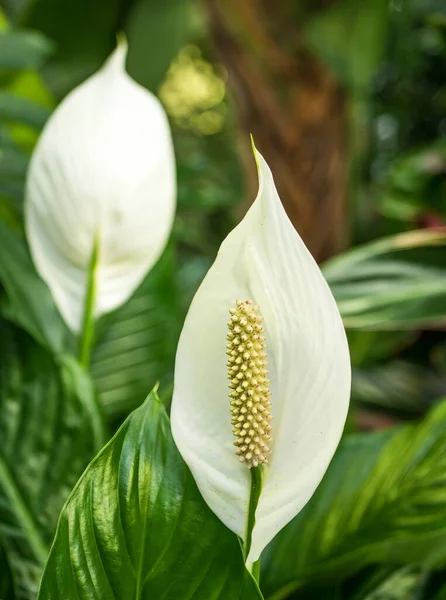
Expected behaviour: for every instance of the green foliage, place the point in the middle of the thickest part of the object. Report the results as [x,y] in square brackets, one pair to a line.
[350,37]
[141,338]
[403,388]
[22,50]
[136,526]
[29,302]
[416,185]
[49,428]
[393,283]
[62,21]
[15,109]
[381,501]
[159,29]
[6,581]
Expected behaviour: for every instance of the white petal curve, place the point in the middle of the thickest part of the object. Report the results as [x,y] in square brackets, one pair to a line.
[104,166]
[265,260]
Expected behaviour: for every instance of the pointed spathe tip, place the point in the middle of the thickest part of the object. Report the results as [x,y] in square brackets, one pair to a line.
[118,57]
[255,152]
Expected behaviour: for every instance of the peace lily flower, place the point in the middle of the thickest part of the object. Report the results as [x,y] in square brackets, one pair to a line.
[262,375]
[102,174]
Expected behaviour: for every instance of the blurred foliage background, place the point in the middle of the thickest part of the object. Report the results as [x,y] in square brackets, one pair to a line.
[347,101]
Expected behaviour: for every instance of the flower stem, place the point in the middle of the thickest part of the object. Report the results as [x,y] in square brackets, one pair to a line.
[256,489]
[86,338]
[256,570]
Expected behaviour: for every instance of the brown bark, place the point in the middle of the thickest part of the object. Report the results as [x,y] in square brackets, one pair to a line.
[294,108]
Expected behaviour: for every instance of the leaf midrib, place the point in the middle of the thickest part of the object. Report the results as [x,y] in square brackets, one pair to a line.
[38,546]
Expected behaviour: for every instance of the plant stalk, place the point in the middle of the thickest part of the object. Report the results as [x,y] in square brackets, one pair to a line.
[86,337]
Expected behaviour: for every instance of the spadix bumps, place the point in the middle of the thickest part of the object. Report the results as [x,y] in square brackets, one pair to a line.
[305,392]
[249,384]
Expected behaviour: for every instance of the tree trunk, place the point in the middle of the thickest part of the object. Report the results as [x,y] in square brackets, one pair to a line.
[295,110]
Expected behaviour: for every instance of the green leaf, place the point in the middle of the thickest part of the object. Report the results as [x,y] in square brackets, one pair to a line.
[135,345]
[382,501]
[16,109]
[22,50]
[350,37]
[29,300]
[158,30]
[393,283]
[136,526]
[49,429]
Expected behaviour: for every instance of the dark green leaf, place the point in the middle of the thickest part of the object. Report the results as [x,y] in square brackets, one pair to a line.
[137,527]
[61,21]
[29,301]
[136,344]
[78,54]
[49,429]
[6,581]
[395,283]
[20,50]
[381,502]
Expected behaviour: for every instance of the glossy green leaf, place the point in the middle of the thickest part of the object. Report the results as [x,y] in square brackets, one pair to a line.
[20,50]
[394,283]
[49,429]
[135,345]
[29,302]
[136,527]
[382,501]
[350,37]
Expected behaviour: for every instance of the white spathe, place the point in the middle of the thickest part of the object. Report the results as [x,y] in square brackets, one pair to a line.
[265,260]
[103,169]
